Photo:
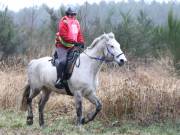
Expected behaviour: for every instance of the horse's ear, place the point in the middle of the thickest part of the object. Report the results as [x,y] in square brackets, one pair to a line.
[105,36]
[111,35]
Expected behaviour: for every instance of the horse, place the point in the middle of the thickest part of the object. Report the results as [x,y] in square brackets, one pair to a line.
[83,82]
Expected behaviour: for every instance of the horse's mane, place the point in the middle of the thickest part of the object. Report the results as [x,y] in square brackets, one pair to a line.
[103,36]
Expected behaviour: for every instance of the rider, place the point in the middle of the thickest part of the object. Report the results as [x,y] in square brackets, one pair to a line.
[69,35]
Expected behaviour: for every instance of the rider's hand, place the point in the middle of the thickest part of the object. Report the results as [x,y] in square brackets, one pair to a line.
[81,45]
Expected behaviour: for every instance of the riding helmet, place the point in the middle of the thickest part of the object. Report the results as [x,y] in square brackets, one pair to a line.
[70,11]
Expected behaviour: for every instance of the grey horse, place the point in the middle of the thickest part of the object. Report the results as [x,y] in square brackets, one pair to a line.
[83,82]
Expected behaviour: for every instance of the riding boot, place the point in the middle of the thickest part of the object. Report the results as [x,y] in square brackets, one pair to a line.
[59,83]
[54,57]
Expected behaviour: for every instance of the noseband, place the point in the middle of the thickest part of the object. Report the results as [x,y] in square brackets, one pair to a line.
[112,53]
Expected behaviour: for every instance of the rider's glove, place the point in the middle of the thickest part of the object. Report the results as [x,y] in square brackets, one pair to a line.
[81,45]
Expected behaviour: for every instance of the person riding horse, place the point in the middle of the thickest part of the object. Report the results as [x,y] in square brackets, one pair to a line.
[68,36]
[83,82]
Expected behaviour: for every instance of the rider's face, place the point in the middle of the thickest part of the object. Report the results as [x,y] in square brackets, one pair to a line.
[71,15]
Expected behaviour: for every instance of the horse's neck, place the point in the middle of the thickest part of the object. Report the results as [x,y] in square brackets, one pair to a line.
[92,64]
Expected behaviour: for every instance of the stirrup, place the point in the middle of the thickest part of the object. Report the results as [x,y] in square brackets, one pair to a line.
[59,84]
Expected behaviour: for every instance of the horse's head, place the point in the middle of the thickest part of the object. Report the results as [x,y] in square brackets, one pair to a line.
[112,50]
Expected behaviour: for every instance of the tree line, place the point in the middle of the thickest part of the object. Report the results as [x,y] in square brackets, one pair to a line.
[143,30]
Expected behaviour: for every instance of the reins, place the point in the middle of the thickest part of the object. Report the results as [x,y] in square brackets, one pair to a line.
[99,58]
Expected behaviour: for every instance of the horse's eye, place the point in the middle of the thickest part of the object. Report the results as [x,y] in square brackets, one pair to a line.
[112,46]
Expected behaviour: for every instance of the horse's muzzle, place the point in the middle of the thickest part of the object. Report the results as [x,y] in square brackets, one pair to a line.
[121,62]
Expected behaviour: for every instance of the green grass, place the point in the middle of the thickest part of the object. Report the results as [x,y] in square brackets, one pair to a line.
[15,123]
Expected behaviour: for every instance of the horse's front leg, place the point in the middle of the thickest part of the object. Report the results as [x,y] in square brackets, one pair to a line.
[93,99]
[78,103]
[44,98]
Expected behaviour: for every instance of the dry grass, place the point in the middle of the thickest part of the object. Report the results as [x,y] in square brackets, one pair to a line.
[11,85]
[143,95]
[146,93]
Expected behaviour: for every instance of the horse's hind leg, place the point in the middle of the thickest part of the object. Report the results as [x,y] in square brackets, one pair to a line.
[33,93]
[78,102]
[93,99]
[42,102]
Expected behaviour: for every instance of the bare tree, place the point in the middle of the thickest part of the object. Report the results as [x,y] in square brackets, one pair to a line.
[33,17]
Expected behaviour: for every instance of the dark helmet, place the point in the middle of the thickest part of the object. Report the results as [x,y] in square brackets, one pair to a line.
[70,11]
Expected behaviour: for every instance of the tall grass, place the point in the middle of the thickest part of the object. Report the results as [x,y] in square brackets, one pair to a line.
[145,93]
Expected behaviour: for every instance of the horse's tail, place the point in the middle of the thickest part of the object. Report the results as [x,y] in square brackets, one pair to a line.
[25,95]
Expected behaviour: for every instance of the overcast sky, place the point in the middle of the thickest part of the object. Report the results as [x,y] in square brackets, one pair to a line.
[15,5]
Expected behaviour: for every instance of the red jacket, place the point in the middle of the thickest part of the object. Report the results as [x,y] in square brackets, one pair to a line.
[69,31]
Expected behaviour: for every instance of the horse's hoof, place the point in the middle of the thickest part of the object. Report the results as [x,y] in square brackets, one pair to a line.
[43,126]
[83,120]
[29,122]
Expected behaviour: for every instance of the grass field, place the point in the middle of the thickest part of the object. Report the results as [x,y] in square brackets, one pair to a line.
[14,123]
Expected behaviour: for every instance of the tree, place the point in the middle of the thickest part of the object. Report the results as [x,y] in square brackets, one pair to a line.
[144,38]
[7,34]
[125,31]
[53,19]
[33,17]
[173,31]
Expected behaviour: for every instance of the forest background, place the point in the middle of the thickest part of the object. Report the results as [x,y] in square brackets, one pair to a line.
[144,30]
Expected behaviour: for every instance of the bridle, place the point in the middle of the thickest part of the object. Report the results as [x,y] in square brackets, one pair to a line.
[103,58]
[112,53]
